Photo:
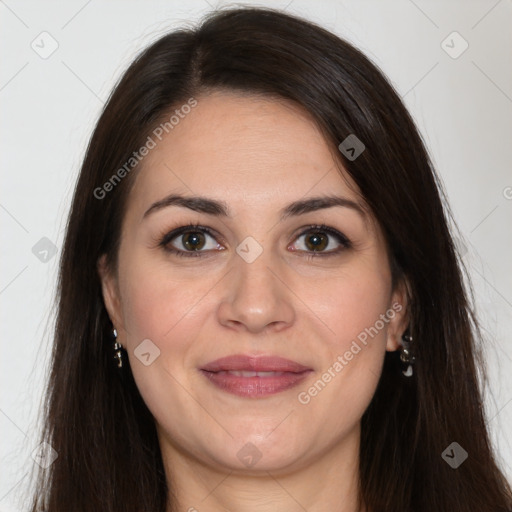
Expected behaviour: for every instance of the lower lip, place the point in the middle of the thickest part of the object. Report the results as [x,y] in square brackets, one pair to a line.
[255,387]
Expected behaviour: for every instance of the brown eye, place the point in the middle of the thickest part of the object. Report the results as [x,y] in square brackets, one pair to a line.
[190,240]
[316,241]
[193,240]
[319,238]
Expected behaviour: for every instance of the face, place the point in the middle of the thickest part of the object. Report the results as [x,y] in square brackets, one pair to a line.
[259,281]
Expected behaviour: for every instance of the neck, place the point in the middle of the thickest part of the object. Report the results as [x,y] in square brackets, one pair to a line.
[328,481]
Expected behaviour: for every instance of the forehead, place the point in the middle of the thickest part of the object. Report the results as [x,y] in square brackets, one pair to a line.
[247,150]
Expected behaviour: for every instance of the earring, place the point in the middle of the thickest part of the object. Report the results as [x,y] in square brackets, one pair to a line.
[406,355]
[117,350]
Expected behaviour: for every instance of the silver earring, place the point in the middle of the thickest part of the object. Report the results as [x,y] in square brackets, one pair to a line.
[406,355]
[118,356]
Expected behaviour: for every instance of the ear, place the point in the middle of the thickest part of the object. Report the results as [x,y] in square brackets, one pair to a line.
[111,296]
[399,322]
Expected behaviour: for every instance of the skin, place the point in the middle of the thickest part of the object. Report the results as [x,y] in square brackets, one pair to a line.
[258,155]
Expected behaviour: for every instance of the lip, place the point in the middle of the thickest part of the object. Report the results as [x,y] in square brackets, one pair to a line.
[242,362]
[224,373]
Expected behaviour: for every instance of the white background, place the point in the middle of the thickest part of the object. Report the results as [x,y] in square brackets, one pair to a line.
[463,108]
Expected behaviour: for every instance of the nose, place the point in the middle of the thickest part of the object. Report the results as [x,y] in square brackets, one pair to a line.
[257,295]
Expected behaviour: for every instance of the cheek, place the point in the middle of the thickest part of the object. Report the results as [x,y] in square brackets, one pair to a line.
[163,308]
[351,301]
[353,309]
[157,302]
[168,308]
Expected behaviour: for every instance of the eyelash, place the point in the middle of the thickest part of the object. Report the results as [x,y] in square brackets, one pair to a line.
[168,237]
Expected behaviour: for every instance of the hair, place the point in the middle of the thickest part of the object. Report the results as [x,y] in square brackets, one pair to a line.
[109,457]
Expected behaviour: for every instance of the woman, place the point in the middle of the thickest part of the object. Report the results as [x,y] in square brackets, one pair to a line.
[260,304]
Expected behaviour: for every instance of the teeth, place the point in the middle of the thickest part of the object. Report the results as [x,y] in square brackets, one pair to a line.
[252,374]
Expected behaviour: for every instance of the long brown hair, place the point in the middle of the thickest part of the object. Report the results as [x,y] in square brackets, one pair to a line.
[109,458]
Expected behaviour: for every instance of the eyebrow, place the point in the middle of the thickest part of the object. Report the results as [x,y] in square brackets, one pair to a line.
[220,208]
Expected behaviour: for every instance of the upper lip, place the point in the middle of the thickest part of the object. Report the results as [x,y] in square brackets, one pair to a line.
[242,362]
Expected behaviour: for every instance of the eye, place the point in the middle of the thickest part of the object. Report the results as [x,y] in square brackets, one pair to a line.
[319,237]
[191,241]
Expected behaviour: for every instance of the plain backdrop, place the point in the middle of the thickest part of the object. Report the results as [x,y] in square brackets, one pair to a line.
[449,60]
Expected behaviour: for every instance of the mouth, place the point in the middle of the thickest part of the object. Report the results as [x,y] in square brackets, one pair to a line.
[255,377]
